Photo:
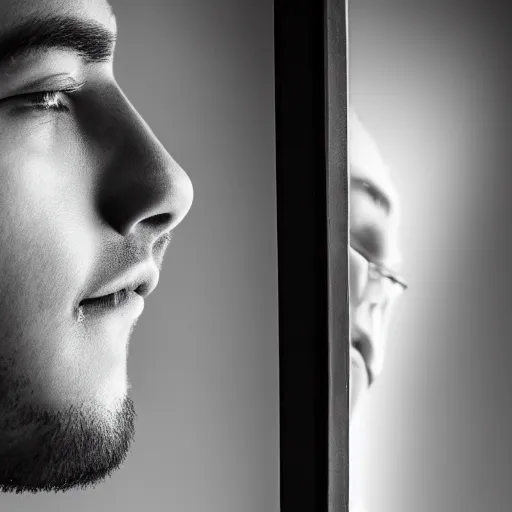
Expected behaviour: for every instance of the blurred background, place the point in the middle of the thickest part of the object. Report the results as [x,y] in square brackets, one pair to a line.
[431,80]
[203,361]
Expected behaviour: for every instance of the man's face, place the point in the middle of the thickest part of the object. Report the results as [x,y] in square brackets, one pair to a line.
[88,200]
[373,238]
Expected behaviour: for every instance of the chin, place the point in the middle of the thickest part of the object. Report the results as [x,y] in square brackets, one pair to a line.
[74,448]
[358,383]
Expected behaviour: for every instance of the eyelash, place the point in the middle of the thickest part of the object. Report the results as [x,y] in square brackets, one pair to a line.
[51,100]
[47,100]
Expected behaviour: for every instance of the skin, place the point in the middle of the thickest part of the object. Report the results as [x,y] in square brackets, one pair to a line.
[86,194]
[373,228]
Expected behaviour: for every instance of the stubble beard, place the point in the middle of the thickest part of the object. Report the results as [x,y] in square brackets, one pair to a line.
[74,448]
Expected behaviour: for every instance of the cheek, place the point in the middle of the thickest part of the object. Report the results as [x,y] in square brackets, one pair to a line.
[47,244]
[386,317]
[46,203]
[51,240]
[46,233]
[356,283]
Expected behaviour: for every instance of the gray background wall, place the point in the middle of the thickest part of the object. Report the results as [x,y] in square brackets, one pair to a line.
[203,360]
[432,81]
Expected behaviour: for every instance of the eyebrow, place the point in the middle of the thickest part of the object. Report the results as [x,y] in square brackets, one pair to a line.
[91,41]
[376,193]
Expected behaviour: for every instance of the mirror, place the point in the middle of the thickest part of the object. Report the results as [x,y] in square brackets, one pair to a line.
[312,228]
[429,81]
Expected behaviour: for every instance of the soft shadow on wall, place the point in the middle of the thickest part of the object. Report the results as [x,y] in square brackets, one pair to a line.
[431,81]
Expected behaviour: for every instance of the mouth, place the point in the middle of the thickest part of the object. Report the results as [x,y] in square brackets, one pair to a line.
[358,359]
[113,302]
[125,291]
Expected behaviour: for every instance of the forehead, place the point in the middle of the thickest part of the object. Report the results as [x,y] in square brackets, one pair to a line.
[374,206]
[366,163]
[14,12]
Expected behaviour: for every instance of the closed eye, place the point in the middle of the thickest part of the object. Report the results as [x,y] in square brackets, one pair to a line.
[48,100]
[377,196]
[56,100]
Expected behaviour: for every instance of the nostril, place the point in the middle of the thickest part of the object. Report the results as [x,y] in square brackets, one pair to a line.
[161,221]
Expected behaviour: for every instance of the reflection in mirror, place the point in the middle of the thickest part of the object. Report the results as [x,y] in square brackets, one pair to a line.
[429,81]
[90,197]
[374,286]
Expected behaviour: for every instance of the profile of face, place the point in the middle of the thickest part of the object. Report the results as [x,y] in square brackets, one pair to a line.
[373,255]
[89,199]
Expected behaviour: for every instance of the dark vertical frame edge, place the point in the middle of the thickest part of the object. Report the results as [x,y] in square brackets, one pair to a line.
[336,60]
[311,184]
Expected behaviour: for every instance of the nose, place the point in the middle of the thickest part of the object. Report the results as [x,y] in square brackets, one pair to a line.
[142,189]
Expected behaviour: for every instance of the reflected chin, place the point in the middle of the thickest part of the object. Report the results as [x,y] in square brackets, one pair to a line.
[61,451]
[359,382]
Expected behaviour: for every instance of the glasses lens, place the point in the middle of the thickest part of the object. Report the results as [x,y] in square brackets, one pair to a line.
[374,283]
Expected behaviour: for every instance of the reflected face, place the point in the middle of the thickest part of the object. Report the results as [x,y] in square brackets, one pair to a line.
[89,199]
[373,255]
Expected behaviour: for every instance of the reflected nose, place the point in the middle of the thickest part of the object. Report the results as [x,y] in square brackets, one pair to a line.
[143,189]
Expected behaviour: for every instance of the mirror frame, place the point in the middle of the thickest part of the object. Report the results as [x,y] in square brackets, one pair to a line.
[311,95]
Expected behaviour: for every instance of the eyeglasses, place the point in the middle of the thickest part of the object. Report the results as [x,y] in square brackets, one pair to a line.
[391,284]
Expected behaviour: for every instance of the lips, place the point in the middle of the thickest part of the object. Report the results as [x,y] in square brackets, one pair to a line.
[358,361]
[111,300]
[135,283]
[357,351]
